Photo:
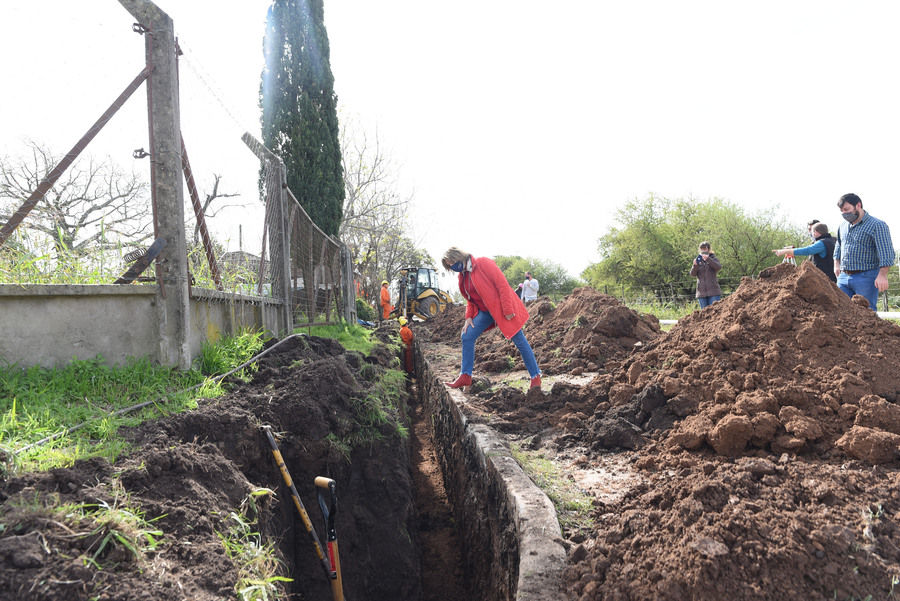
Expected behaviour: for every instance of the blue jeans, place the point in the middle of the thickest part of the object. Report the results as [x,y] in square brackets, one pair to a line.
[480,323]
[862,283]
[706,301]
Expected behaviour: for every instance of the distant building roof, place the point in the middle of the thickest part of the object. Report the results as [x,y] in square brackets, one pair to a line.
[240,259]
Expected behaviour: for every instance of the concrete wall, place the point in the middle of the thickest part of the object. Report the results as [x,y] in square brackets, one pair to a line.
[216,314]
[49,325]
[511,537]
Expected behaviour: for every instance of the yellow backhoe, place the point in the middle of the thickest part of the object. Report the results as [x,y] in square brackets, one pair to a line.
[420,294]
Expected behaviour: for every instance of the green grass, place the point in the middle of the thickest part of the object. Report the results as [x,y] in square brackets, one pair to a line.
[352,337]
[38,402]
[224,355]
[381,405]
[666,310]
[573,505]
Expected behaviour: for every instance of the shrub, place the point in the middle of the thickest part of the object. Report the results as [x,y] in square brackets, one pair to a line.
[364,311]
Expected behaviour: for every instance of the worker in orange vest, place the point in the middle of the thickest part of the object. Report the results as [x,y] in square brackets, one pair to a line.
[385,301]
[406,337]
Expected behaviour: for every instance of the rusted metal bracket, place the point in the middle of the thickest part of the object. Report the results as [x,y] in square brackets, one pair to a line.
[142,261]
[201,218]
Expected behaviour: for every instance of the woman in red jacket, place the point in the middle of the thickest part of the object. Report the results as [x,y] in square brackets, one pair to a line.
[491,302]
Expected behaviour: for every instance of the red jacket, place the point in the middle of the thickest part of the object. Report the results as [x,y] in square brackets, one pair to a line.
[495,293]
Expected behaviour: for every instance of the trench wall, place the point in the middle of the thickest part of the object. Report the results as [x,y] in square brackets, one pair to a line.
[49,325]
[511,538]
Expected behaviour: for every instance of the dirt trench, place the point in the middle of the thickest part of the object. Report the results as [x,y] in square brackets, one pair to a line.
[192,474]
[443,575]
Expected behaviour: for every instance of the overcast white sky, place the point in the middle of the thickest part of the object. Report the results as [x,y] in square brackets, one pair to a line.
[520,125]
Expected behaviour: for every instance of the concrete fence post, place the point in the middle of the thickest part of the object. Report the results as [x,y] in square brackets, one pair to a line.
[349,285]
[280,243]
[165,179]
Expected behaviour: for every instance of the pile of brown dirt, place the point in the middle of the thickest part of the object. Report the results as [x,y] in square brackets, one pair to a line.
[788,363]
[192,471]
[582,333]
[757,423]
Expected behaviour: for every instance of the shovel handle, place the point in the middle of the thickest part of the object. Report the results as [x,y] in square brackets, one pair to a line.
[323,482]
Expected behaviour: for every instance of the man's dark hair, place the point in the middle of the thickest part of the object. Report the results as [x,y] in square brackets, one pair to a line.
[812,223]
[851,198]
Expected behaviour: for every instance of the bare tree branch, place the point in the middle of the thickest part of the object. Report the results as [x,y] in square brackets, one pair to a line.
[93,205]
[375,224]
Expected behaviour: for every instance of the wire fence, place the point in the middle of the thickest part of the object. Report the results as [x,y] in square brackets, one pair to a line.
[245,233]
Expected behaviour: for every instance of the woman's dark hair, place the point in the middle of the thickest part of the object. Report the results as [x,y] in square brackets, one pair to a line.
[851,198]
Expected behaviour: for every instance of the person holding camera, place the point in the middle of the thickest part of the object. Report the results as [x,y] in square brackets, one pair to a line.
[704,268]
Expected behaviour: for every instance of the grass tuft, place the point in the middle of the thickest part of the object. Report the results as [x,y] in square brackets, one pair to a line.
[256,561]
[573,505]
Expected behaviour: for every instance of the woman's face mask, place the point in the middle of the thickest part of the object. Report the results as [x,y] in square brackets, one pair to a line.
[457,267]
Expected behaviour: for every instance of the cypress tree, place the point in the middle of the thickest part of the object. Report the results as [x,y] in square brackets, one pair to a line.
[299,108]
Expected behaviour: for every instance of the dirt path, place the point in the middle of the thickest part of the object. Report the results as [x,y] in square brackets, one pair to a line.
[443,578]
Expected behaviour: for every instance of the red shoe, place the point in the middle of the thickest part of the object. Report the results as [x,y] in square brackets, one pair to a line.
[463,381]
[536,382]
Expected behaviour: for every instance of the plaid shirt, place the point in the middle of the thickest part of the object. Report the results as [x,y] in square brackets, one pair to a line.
[866,245]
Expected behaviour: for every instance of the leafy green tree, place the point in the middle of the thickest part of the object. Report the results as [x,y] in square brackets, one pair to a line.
[657,239]
[553,279]
[299,108]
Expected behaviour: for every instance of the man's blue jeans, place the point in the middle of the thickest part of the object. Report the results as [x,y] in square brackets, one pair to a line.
[706,301]
[862,283]
[480,323]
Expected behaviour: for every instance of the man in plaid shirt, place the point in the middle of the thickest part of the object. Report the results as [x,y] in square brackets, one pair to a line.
[863,253]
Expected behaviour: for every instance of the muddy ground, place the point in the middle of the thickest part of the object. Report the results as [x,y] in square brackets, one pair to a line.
[749,453]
